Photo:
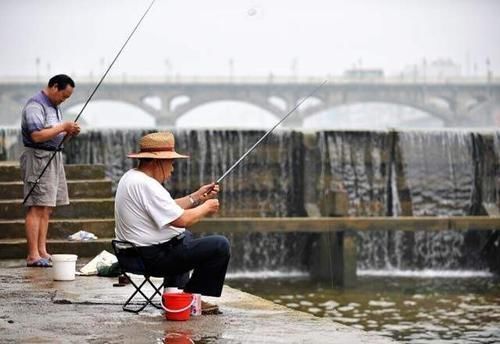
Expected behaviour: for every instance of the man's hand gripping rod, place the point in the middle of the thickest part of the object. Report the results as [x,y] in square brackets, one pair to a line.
[230,169]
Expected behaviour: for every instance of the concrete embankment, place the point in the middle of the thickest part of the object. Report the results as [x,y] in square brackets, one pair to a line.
[36,309]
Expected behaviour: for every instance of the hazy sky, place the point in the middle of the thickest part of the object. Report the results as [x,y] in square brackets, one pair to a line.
[323,37]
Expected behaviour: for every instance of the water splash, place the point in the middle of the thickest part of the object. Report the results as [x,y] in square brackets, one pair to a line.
[426,273]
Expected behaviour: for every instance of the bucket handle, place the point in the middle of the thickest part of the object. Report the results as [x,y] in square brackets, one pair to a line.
[177,310]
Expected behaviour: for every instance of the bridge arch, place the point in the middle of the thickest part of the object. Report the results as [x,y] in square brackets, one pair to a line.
[433,110]
[227,114]
[372,115]
[112,114]
[260,101]
[177,101]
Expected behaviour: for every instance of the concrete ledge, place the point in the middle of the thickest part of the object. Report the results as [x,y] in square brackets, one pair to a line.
[326,224]
[103,226]
[37,309]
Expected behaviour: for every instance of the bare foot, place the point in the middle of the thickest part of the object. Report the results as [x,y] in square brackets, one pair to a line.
[46,256]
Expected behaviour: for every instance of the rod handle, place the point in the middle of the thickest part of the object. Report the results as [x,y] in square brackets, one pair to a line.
[210,190]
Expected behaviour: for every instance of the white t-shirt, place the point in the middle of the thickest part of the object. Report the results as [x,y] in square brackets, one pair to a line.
[144,209]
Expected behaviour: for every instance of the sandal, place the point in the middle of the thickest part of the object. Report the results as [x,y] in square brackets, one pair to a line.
[49,258]
[39,263]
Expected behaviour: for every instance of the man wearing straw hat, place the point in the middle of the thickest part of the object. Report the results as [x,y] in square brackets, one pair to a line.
[146,215]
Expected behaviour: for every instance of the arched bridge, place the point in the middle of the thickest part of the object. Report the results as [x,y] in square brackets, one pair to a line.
[456,103]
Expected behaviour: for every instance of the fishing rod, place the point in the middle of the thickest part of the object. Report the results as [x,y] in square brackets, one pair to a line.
[66,137]
[230,169]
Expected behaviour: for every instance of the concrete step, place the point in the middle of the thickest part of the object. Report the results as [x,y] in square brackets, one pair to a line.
[16,248]
[61,228]
[104,208]
[91,210]
[79,208]
[83,188]
[10,171]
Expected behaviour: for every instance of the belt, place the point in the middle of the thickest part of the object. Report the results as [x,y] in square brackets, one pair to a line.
[148,250]
[177,239]
[50,149]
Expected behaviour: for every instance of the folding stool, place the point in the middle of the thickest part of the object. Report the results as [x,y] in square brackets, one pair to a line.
[131,261]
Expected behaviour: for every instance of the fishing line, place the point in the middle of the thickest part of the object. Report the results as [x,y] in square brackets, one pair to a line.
[66,137]
[267,133]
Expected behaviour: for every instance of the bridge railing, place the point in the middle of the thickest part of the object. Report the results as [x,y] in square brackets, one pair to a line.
[270,79]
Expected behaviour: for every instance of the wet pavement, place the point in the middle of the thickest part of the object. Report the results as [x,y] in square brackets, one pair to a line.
[36,309]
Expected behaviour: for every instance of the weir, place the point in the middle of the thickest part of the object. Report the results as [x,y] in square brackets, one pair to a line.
[378,200]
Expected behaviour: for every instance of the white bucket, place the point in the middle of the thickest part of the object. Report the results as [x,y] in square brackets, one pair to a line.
[64,266]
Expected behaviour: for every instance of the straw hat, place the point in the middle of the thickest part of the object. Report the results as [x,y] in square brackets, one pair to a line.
[157,146]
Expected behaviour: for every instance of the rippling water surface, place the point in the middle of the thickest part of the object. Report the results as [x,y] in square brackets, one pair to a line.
[459,308]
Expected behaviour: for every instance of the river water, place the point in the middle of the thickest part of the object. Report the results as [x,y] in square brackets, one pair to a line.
[442,307]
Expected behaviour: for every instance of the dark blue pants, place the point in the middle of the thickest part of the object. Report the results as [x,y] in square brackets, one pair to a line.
[208,257]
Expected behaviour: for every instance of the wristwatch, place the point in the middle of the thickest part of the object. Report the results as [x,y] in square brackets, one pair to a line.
[193,202]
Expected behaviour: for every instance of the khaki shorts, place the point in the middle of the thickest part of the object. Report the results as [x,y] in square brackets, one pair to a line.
[51,189]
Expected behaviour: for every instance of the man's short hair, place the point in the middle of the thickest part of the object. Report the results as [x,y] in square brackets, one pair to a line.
[62,81]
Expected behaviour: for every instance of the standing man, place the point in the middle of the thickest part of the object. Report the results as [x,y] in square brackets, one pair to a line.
[43,130]
[146,215]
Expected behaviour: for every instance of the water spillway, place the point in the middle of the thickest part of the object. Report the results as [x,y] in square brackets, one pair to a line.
[388,173]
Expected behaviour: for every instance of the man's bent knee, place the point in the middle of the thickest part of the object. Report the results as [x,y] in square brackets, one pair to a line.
[223,245]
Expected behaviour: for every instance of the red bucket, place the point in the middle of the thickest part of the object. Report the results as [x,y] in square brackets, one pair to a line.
[177,306]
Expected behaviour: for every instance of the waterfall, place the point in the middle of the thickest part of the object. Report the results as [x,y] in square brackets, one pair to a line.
[266,183]
[108,147]
[11,144]
[439,171]
[446,173]
[356,162]
[386,173]
[359,163]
